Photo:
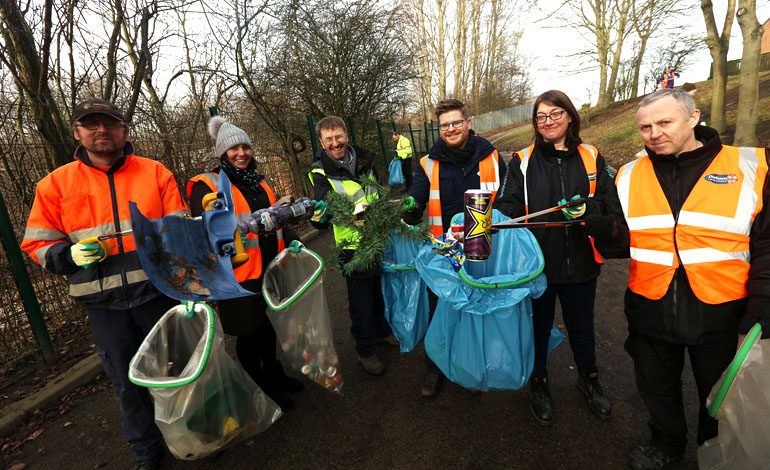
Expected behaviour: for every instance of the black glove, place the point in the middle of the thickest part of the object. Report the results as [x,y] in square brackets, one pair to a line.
[599,226]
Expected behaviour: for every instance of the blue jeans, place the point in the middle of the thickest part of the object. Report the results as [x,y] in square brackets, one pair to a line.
[118,334]
[577,309]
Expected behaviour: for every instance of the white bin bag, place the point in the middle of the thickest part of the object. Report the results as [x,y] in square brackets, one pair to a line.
[204,400]
[741,403]
[293,289]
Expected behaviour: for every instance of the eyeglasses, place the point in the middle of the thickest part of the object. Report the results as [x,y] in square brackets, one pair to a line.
[451,125]
[335,138]
[555,116]
[111,124]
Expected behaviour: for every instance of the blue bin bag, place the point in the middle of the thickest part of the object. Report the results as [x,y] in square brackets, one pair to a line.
[481,335]
[395,173]
[404,292]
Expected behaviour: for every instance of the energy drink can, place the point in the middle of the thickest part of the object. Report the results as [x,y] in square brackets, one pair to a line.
[478,224]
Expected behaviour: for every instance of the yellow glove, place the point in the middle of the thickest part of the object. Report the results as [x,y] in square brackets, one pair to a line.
[88,252]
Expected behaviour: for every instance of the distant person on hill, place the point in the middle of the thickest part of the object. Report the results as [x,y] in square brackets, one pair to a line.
[666,80]
[699,275]
[555,168]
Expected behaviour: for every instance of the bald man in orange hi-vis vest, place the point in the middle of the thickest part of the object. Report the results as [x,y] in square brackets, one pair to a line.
[698,235]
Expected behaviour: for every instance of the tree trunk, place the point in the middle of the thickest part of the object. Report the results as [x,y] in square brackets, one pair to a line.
[718,46]
[441,58]
[30,74]
[748,94]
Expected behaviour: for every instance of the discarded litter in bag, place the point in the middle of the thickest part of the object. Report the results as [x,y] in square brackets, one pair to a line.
[481,335]
[204,400]
[292,286]
[740,400]
[404,292]
[395,173]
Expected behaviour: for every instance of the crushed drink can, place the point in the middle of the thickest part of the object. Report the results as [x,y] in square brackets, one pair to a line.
[478,224]
[458,231]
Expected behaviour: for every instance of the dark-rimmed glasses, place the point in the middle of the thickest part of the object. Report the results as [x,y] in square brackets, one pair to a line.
[109,124]
[451,125]
[555,116]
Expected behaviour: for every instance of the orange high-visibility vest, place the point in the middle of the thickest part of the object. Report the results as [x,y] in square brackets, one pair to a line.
[710,237]
[588,153]
[489,177]
[251,269]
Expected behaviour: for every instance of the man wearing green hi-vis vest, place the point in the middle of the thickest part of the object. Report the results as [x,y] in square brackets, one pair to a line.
[344,168]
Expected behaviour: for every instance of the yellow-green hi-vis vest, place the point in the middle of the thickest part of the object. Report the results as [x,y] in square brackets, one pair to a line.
[355,194]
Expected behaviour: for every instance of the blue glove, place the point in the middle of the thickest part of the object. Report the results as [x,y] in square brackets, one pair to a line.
[320,214]
[295,246]
[574,212]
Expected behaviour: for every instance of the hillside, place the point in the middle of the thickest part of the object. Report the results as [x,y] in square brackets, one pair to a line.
[613,130]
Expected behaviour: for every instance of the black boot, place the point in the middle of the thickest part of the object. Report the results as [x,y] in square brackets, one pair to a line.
[284,402]
[597,402]
[277,379]
[540,400]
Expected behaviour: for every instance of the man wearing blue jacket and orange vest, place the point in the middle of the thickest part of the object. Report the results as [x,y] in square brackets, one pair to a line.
[459,161]
[84,199]
[698,235]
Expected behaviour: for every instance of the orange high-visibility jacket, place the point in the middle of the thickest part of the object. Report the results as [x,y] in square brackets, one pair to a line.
[489,177]
[588,154]
[710,235]
[252,269]
[78,201]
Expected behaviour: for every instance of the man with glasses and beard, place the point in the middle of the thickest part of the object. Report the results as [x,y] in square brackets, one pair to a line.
[457,162]
[84,199]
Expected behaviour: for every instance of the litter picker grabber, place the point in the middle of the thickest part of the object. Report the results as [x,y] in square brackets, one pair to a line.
[521,222]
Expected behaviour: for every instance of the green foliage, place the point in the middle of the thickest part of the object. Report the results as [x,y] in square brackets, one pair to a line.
[381,217]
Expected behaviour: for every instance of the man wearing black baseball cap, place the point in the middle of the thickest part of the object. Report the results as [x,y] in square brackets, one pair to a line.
[75,204]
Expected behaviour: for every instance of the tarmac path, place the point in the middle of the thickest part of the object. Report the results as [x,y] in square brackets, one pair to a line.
[383,422]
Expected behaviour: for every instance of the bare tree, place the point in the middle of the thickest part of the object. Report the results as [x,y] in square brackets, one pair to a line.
[28,64]
[718,45]
[748,94]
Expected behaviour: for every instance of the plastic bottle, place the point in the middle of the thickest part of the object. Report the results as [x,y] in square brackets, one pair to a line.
[272,218]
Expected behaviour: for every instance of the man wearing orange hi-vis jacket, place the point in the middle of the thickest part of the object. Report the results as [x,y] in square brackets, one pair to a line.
[75,205]
[699,277]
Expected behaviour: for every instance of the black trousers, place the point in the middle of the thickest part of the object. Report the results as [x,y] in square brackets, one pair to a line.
[406,167]
[118,335]
[577,310]
[367,313]
[430,366]
[658,368]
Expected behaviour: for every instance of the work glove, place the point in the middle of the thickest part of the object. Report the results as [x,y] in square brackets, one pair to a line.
[320,214]
[599,226]
[410,204]
[87,254]
[295,246]
[411,214]
[573,212]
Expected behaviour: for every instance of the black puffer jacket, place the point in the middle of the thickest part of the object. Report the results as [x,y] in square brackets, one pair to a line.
[679,316]
[553,175]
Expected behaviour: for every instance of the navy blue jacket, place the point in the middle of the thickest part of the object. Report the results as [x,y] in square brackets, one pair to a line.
[453,179]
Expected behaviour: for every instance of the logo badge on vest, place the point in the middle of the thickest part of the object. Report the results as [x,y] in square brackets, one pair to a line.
[721,178]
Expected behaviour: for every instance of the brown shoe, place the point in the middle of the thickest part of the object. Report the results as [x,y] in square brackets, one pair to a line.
[372,365]
[431,385]
[390,339]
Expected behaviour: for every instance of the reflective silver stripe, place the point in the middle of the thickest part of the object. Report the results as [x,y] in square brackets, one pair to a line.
[524,157]
[710,255]
[179,213]
[429,162]
[102,229]
[623,183]
[44,234]
[251,243]
[591,149]
[663,258]
[650,221]
[109,282]
[41,253]
[339,187]
[435,194]
[435,220]
[496,164]
[716,222]
[490,186]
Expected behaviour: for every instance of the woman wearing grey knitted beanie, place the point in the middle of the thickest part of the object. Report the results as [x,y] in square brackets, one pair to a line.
[245,317]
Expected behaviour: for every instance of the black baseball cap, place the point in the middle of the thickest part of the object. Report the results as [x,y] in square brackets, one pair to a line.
[96,106]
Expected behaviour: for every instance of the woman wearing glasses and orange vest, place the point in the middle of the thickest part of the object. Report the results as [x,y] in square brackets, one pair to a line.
[557,167]
[245,317]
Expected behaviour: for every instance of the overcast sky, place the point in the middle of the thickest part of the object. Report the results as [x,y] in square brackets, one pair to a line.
[549,44]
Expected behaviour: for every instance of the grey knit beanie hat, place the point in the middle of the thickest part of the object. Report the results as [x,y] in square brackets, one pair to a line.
[226,135]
